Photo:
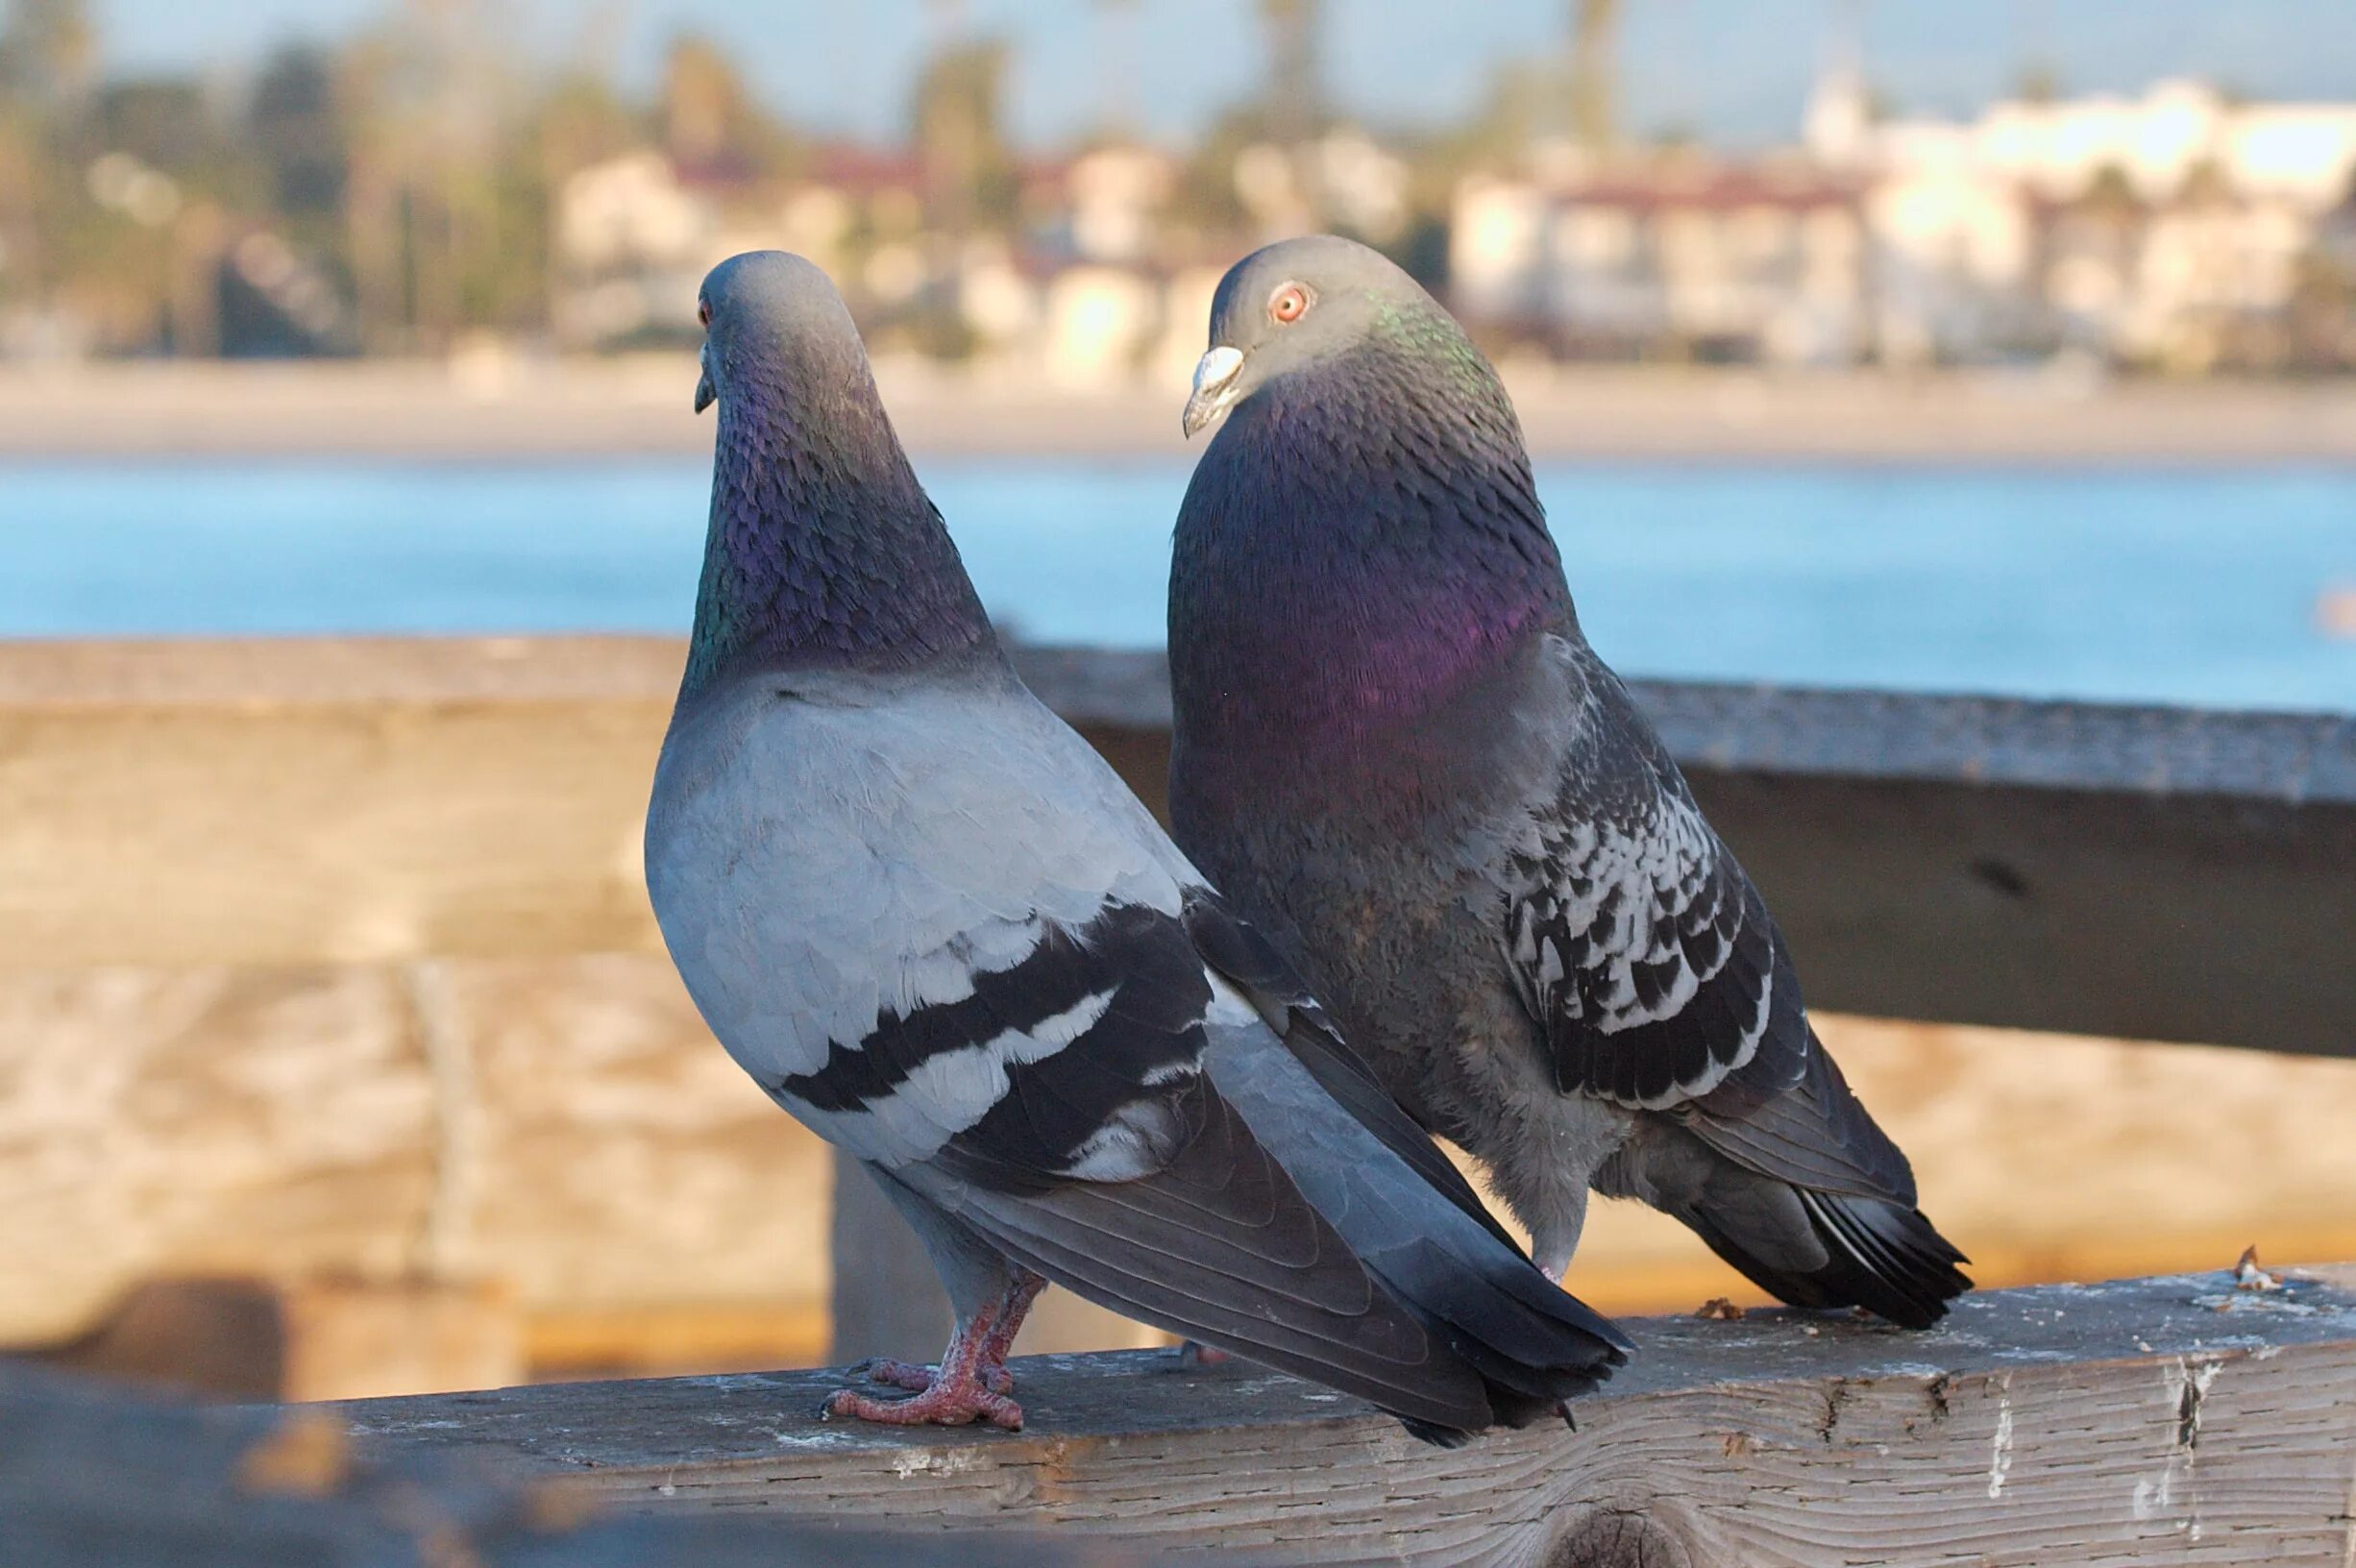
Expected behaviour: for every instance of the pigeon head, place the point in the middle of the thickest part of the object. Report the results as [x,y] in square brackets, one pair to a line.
[821,548]
[773,319]
[1300,303]
[1361,538]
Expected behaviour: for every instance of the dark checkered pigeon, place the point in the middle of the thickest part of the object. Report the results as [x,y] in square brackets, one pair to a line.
[1397,754]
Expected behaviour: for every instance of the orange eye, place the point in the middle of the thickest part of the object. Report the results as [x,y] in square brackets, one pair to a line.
[1289,304]
[703,312]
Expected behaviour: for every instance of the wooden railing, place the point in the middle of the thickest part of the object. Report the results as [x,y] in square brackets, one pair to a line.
[2167,1421]
[2134,872]
[333,1006]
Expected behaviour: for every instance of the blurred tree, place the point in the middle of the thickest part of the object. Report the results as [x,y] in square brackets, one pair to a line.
[955,124]
[712,127]
[138,257]
[1206,197]
[1295,104]
[2321,320]
[166,124]
[972,182]
[48,52]
[1499,135]
[2111,192]
[1591,88]
[2039,84]
[446,215]
[297,129]
[48,59]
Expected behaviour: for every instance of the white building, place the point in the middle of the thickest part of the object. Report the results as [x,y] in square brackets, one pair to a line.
[2302,154]
[2153,227]
[1114,196]
[1754,262]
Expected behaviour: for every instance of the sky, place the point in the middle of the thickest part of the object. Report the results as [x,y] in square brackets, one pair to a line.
[1735,71]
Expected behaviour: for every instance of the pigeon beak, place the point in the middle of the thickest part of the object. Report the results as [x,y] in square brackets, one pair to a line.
[1215,388]
[704,394]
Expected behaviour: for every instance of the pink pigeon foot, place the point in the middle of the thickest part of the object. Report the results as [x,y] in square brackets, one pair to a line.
[971,1382]
[949,1402]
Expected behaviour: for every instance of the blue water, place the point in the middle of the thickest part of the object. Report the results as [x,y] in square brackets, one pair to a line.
[2198,586]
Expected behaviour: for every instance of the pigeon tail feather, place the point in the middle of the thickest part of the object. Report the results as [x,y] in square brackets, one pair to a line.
[1890,1261]
[1532,1344]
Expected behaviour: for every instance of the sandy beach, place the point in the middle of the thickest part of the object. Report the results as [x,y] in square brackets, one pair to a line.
[505,409]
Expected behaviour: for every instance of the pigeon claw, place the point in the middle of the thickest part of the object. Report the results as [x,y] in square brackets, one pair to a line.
[942,1404]
[917,1378]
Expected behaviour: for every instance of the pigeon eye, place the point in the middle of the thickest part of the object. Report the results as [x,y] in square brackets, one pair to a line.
[1289,304]
[703,312]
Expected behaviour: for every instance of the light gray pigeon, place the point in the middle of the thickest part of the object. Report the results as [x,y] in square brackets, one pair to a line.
[935,926]
[1396,753]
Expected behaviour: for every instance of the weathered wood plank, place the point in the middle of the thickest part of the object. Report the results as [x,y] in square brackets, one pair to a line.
[562,1128]
[325,801]
[331,957]
[2131,872]
[887,1300]
[305,1337]
[2136,873]
[90,1476]
[567,1128]
[2174,1420]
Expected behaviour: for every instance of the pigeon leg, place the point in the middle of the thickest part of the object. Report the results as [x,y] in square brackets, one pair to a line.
[1012,1307]
[1005,1319]
[955,1395]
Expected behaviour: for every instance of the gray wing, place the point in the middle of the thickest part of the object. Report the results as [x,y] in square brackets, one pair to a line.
[1249,961]
[1651,963]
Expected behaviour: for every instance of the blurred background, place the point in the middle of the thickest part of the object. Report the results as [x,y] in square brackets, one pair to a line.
[349,501]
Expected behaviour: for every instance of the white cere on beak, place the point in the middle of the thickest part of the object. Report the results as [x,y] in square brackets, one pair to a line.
[1214,375]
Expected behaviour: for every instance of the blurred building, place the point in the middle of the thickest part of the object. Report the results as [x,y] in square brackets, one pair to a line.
[2180,230]
[407,192]
[1682,256]
[2176,230]
[1093,282]
[634,235]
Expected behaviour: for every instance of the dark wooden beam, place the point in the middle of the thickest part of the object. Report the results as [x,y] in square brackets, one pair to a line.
[2154,873]
[2177,1420]
[92,1473]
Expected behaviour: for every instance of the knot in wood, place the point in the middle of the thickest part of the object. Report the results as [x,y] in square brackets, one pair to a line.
[1617,1538]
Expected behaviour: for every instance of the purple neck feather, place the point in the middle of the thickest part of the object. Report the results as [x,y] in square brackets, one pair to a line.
[822,550]
[1358,547]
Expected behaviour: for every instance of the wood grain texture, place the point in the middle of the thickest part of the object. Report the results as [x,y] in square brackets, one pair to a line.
[2165,1421]
[564,1129]
[2137,873]
[327,958]
[318,1337]
[220,829]
[90,1476]
[567,1127]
